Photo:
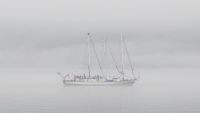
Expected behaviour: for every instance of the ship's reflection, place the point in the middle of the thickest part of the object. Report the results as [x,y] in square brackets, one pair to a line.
[98,99]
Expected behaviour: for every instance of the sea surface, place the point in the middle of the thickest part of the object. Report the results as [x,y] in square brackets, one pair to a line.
[159,90]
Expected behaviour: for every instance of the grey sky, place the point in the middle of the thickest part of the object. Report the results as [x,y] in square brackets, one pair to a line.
[49,32]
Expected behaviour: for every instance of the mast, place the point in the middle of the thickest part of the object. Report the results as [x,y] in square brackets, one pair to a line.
[122,55]
[89,73]
[104,44]
[112,56]
[129,59]
[105,55]
[97,58]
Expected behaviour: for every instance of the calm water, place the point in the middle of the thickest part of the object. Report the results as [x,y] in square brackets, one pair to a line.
[157,91]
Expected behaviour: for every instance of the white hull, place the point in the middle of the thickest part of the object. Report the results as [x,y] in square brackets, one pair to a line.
[128,82]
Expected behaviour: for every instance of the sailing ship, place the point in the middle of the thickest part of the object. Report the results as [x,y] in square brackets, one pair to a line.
[88,78]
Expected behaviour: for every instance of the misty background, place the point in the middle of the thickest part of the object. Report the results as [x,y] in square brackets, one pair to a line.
[49,33]
[41,37]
